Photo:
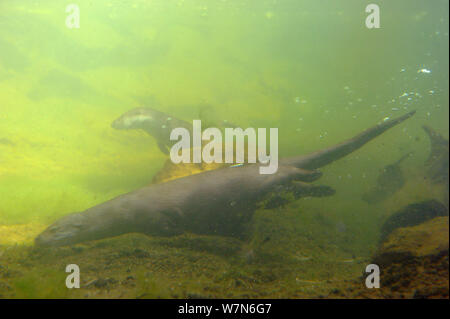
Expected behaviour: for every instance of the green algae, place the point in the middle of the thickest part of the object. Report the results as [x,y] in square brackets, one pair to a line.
[43,283]
[187,266]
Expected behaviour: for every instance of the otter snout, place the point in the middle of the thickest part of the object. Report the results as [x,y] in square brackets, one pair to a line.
[66,231]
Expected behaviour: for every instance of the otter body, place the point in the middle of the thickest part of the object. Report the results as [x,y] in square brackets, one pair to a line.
[218,202]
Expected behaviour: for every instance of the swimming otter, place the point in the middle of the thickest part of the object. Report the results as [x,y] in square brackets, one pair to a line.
[155,123]
[217,202]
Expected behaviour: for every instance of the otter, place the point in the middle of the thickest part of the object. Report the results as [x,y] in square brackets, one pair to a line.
[220,202]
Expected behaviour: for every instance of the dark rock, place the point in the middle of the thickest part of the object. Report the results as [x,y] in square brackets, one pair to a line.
[413,215]
[404,244]
[414,261]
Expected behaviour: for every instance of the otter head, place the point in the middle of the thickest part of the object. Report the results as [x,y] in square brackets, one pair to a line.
[68,230]
[139,118]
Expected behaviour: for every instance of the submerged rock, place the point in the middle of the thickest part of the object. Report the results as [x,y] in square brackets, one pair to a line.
[414,261]
[413,215]
[427,239]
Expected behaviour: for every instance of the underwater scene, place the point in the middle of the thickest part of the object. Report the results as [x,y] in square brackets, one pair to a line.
[102,102]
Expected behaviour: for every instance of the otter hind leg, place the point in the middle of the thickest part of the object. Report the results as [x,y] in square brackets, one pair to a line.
[296,190]
[301,189]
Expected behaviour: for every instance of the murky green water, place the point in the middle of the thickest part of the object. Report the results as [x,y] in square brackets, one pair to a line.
[310,68]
